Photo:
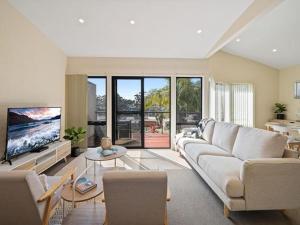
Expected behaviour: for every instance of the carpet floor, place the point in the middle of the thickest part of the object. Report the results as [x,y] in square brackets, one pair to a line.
[194,203]
[192,200]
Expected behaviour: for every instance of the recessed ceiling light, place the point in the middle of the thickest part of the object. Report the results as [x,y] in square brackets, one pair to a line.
[199,31]
[80,20]
[274,50]
[132,22]
[238,40]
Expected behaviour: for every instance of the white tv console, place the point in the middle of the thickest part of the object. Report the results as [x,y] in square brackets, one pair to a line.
[40,161]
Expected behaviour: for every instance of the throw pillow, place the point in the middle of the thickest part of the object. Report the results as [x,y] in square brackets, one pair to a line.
[201,126]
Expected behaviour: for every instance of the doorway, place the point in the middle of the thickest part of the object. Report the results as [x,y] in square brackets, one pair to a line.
[141,112]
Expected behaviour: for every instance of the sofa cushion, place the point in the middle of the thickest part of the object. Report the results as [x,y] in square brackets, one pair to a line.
[208,131]
[224,172]
[252,143]
[194,150]
[224,135]
[181,142]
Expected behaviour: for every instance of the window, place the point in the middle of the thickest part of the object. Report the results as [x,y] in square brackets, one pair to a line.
[234,103]
[188,102]
[96,110]
[297,90]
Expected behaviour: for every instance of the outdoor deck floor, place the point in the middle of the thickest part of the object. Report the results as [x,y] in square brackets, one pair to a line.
[157,140]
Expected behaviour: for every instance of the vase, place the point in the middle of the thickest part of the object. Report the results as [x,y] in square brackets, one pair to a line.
[106,143]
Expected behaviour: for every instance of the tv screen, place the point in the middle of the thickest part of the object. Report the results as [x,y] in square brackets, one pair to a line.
[31,128]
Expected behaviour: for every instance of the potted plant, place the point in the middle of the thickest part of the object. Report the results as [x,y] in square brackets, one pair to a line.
[75,135]
[279,110]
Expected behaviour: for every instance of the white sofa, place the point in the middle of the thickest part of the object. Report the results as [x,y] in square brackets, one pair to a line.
[245,167]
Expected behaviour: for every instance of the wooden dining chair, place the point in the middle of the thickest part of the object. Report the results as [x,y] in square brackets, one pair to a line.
[292,143]
[135,197]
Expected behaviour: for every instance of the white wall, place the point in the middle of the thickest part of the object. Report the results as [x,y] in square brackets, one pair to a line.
[223,66]
[234,69]
[32,68]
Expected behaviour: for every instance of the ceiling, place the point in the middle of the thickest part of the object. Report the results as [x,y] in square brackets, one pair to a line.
[162,29]
[280,30]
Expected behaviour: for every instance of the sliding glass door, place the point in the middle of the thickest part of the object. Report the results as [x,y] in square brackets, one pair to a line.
[128,112]
[141,112]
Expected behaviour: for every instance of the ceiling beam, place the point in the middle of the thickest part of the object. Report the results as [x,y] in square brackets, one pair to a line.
[257,9]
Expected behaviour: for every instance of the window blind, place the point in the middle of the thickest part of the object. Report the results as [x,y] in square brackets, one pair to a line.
[242,104]
[234,103]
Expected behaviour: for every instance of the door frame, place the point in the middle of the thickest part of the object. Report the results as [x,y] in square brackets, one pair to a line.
[142,110]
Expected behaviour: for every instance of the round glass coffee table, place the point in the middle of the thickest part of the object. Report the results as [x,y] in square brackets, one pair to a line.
[95,155]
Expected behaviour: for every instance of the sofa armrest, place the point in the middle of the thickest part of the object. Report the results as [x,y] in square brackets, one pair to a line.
[271,183]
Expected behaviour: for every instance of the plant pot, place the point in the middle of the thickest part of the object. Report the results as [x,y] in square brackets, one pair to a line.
[75,151]
[280,116]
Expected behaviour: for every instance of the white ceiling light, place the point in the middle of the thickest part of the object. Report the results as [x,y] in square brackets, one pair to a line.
[132,22]
[274,50]
[80,20]
[199,31]
[238,40]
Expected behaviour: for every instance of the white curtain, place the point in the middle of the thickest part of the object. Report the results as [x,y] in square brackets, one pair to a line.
[222,102]
[212,98]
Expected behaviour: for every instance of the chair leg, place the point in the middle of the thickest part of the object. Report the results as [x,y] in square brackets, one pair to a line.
[105,221]
[166,217]
[226,211]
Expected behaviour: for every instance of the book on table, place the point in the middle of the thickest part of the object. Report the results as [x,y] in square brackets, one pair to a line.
[84,185]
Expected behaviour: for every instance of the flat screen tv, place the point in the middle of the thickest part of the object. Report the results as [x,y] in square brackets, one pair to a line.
[29,129]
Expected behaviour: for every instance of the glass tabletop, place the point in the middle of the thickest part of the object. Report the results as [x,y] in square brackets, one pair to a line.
[96,154]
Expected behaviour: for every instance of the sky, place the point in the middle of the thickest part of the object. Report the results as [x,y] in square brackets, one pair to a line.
[38,113]
[100,85]
[128,88]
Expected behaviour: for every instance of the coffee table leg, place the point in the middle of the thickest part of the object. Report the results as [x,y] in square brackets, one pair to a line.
[63,208]
[86,164]
[94,167]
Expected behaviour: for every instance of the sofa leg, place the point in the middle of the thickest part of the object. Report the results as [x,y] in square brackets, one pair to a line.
[226,211]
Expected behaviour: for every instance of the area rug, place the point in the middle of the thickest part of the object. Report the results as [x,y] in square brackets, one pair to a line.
[194,203]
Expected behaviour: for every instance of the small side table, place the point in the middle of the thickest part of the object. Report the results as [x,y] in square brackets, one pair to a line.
[67,194]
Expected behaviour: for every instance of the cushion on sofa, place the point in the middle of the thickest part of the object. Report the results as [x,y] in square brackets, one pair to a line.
[208,131]
[194,150]
[224,172]
[252,143]
[185,140]
[224,135]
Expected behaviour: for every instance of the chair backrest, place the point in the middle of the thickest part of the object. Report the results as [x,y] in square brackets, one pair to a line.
[18,202]
[284,130]
[135,197]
